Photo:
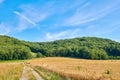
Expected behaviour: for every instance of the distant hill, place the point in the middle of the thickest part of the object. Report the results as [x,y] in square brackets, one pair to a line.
[85,47]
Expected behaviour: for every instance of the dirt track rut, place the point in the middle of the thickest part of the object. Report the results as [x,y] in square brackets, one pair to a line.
[25,76]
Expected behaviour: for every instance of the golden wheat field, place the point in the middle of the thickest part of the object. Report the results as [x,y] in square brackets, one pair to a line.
[10,70]
[80,69]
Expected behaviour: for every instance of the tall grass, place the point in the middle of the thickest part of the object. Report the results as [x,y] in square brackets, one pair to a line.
[10,71]
[80,69]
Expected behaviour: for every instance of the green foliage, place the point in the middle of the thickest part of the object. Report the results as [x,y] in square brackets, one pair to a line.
[39,55]
[12,49]
[85,47]
[48,75]
[14,52]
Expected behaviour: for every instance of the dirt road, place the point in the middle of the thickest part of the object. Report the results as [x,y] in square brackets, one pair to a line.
[25,74]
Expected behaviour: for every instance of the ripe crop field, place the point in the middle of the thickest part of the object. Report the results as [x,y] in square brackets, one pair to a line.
[80,69]
[10,70]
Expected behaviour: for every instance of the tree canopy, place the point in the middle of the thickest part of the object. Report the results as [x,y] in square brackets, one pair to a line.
[84,47]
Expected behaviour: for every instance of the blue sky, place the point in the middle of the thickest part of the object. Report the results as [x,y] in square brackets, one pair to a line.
[48,20]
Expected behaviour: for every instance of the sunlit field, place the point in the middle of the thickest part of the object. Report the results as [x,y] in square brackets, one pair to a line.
[80,69]
[10,70]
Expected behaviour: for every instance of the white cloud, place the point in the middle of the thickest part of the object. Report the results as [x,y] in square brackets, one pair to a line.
[23,23]
[106,30]
[62,35]
[81,16]
[55,36]
[4,29]
[37,13]
[24,17]
[98,30]
[30,16]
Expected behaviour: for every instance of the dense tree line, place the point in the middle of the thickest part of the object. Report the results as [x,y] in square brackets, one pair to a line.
[14,52]
[13,49]
[85,47]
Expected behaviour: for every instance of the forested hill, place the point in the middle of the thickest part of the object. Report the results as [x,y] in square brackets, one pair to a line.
[85,47]
[12,49]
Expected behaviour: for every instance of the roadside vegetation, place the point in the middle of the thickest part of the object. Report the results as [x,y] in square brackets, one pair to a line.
[47,75]
[10,70]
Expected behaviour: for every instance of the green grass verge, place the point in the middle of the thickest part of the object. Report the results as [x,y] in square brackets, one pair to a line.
[47,75]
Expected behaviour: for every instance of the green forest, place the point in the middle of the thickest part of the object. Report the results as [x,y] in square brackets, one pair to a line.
[84,47]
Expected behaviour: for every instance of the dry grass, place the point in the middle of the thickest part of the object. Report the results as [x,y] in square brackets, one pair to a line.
[80,69]
[10,71]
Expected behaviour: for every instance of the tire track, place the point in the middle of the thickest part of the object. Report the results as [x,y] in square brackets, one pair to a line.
[37,76]
[25,76]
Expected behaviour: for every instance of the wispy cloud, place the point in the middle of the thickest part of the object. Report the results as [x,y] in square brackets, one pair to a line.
[30,16]
[81,16]
[106,30]
[24,17]
[50,36]
[62,35]
[53,18]
[37,13]
[4,29]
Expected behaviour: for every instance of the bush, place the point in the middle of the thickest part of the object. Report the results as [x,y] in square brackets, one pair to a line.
[39,55]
